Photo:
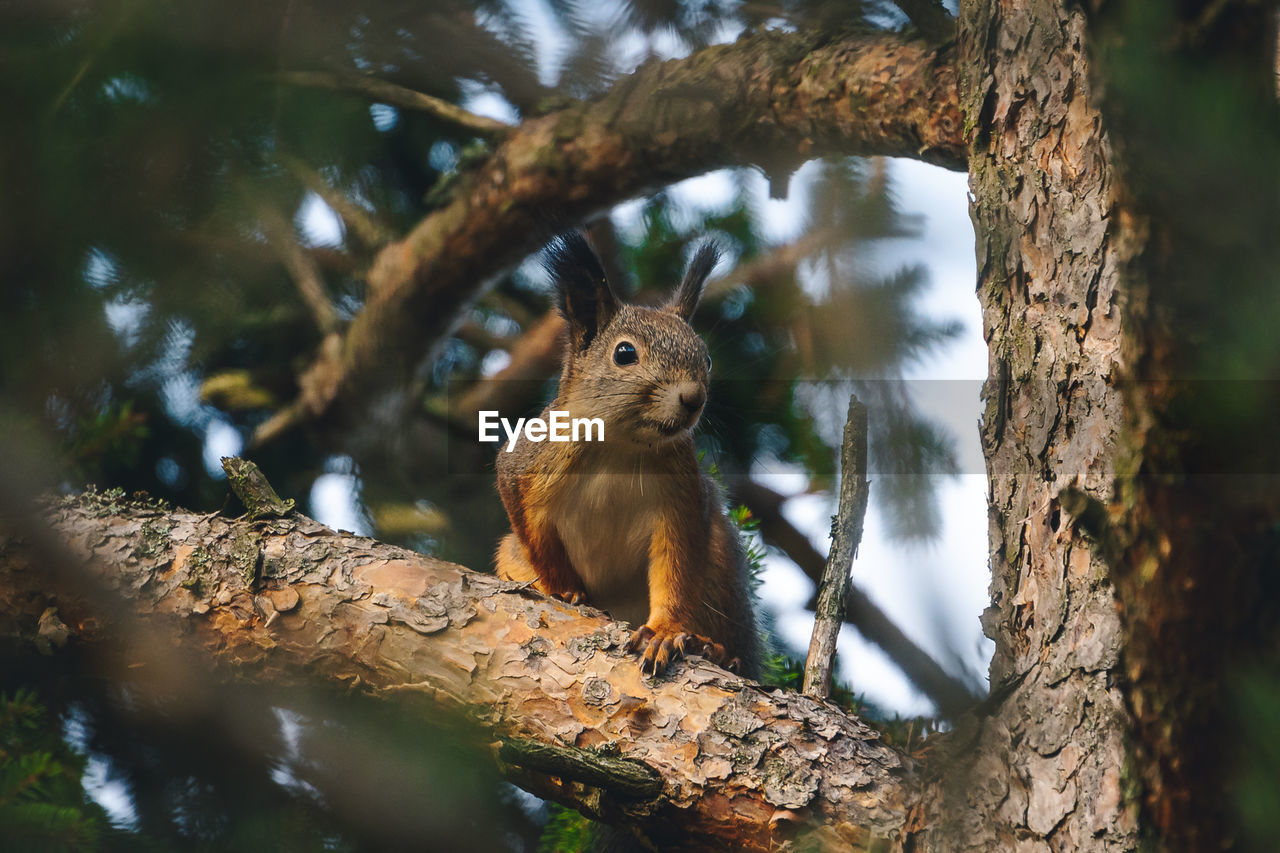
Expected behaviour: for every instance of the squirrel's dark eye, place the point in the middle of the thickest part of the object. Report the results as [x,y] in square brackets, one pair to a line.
[625,353]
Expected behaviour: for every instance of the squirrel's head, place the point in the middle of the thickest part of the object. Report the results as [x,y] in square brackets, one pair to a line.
[644,371]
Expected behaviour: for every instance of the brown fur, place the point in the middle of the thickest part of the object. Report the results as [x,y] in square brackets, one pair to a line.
[631,524]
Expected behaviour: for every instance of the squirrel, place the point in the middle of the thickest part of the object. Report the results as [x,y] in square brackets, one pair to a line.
[631,524]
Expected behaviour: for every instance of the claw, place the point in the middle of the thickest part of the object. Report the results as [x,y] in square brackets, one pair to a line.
[666,652]
[640,638]
[659,647]
[572,596]
[713,651]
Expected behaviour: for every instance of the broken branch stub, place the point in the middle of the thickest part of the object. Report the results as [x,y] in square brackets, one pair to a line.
[846,535]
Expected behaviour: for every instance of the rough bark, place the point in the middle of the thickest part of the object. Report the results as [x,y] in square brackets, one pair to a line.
[1125,582]
[700,759]
[1046,767]
[773,99]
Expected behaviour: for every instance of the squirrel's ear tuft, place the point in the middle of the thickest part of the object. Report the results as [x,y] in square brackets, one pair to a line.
[585,298]
[686,297]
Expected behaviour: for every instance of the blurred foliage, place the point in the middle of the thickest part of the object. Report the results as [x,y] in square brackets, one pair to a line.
[159,172]
[1192,100]
[325,772]
[566,831]
[1257,785]
[43,805]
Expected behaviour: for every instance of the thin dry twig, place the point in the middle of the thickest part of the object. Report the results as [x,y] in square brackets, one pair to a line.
[950,694]
[367,228]
[846,535]
[301,266]
[399,96]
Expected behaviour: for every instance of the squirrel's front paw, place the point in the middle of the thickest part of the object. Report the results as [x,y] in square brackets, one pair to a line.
[573,595]
[661,643]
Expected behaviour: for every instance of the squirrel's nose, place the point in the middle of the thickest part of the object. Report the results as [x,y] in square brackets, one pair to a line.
[692,398]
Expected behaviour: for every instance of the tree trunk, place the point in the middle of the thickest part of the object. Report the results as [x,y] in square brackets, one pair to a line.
[1045,769]
[1116,603]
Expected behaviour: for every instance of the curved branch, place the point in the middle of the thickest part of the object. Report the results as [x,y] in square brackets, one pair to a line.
[535,357]
[772,99]
[700,759]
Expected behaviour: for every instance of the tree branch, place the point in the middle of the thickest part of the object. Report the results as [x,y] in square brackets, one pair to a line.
[772,98]
[846,535]
[301,266]
[399,96]
[535,357]
[367,228]
[699,759]
[777,262]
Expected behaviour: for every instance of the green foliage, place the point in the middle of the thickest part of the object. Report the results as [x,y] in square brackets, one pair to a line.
[566,831]
[114,433]
[42,803]
[1257,785]
[754,549]
[752,545]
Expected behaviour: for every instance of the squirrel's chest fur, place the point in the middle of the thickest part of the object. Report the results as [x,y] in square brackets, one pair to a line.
[606,520]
